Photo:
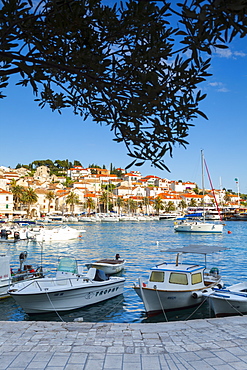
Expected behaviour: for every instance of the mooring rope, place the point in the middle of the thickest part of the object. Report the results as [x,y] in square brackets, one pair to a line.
[164,313]
[54,308]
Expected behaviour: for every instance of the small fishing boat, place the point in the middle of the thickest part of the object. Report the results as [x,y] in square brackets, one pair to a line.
[178,285]
[68,290]
[109,266]
[8,276]
[229,301]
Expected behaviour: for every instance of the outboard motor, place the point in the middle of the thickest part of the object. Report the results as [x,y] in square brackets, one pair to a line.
[22,258]
[4,234]
[16,235]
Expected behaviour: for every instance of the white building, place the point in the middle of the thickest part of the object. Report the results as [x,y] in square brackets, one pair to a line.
[78,171]
[6,204]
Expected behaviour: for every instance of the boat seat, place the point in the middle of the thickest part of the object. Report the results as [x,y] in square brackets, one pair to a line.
[91,273]
[100,276]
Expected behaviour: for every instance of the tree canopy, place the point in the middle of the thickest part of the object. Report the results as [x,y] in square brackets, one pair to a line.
[135,67]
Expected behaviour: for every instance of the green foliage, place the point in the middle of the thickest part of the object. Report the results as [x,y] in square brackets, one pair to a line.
[93,166]
[196,190]
[158,204]
[59,167]
[170,206]
[123,66]
[77,163]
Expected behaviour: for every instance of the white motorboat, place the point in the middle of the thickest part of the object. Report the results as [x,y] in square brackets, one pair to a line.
[229,301]
[13,232]
[9,276]
[212,215]
[128,218]
[57,234]
[173,286]
[109,266]
[89,219]
[68,290]
[109,218]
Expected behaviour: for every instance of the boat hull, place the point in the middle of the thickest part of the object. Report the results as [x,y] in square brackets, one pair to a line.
[156,301]
[229,302]
[66,298]
[58,234]
[108,268]
[198,227]
[228,306]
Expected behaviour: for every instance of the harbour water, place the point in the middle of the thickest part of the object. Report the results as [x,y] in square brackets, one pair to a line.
[142,244]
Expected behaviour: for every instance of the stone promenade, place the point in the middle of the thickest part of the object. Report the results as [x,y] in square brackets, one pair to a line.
[197,344]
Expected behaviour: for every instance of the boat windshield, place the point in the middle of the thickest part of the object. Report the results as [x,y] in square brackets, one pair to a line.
[67,264]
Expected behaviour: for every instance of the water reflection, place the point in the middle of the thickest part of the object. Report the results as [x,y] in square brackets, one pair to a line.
[137,243]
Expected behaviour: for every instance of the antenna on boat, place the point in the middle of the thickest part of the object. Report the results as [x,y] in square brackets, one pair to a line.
[41,256]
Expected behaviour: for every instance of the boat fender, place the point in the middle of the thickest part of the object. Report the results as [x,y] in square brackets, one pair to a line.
[196,295]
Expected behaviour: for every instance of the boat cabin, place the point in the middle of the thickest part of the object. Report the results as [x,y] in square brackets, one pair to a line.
[172,276]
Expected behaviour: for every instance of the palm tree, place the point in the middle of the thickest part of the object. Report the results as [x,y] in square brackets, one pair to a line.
[104,199]
[182,205]
[170,206]
[17,192]
[132,205]
[158,204]
[90,204]
[49,196]
[120,204]
[193,203]
[146,204]
[29,197]
[72,199]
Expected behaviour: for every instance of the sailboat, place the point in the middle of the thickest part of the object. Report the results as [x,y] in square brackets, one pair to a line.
[199,226]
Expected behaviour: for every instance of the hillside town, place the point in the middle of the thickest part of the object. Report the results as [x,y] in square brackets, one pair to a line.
[83,191]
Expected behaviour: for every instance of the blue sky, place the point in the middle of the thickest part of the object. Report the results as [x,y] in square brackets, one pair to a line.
[29,133]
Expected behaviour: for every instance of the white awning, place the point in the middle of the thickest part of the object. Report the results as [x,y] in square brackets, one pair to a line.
[199,249]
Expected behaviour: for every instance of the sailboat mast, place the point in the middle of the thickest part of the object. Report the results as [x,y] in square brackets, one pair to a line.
[203,187]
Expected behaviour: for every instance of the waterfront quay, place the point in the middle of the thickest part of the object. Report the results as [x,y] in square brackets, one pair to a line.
[219,343]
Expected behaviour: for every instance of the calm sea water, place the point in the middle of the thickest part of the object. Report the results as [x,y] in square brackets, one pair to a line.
[137,243]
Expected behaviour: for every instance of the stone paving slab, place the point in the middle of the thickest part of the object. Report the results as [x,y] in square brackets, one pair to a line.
[219,343]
